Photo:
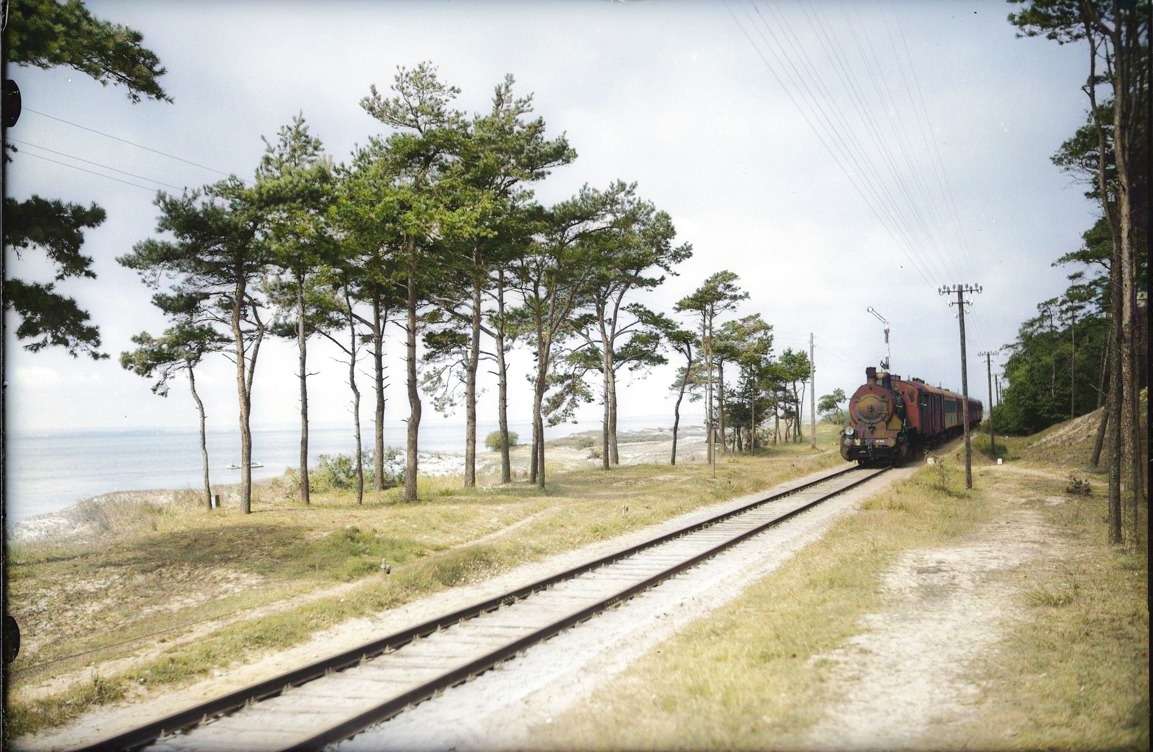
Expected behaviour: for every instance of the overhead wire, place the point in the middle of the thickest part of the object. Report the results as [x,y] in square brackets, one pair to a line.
[912,213]
[846,138]
[860,185]
[942,175]
[919,123]
[97,164]
[895,183]
[880,79]
[906,181]
[126,141]
[92,172]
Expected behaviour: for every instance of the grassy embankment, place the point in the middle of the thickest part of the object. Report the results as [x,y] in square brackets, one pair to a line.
[127,602]
[1071,669]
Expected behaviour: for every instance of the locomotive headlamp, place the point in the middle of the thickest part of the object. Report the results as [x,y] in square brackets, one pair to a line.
[848,430]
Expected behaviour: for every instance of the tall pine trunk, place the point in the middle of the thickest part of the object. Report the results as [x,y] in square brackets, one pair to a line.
[470,388]
[677,407]
[302,349]
[538,419]
[502,384]
[605,453]
[539,386]
[1116,397]
[606,385]
[1124,44]
[242,396]
[753,424]
[414,406]
[1099,440]
[203,436]
[352,350]
[614,443]
[1108,366]
[378,388]
[721,405]
[610,454]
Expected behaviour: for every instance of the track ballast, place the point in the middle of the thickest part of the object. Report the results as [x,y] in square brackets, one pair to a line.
[333,699]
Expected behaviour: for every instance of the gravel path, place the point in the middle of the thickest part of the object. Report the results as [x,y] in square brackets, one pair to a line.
[904,683]
[500,709]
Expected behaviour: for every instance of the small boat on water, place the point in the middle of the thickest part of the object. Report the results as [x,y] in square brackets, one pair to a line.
[235,466]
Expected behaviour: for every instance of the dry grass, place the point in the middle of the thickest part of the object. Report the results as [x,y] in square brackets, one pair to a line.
[156,574]
[749,676]
[1070,671]
[1073,671]
[1070,443]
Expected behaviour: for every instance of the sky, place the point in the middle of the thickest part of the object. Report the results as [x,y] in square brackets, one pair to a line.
[834,156]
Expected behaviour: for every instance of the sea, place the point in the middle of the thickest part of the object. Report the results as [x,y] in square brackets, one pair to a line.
[50,470]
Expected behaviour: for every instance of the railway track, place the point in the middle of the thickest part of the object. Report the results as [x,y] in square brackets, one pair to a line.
[334,698]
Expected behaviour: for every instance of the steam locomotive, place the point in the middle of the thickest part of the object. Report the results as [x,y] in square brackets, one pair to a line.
[891,418]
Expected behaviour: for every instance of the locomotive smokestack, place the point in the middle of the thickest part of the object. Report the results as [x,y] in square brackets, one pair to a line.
[870,374]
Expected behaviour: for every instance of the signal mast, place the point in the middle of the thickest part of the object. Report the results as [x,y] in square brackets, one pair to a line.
[888,352]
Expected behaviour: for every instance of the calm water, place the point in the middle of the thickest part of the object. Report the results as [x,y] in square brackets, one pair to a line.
[46,471]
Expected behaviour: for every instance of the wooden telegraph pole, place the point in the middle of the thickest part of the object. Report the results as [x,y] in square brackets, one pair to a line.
[959,291]
[989,374]
[812,396]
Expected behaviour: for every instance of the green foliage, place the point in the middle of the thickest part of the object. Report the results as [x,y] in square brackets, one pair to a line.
[334,472]
[48,318]
[337,472]
[182,346]
[493,440]
[46,34]
[829,405]
[49,33]
[719,293]
[1039,373]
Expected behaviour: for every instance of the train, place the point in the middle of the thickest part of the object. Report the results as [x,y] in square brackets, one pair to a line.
[892,419]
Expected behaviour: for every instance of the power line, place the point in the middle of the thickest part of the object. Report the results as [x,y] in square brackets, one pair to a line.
[92,172]
[881,201]
[889,148]
[97,164]
[905,182]
[126,141]
[942,177]
[874,201]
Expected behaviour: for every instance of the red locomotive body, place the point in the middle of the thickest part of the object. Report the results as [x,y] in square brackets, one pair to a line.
[890,418]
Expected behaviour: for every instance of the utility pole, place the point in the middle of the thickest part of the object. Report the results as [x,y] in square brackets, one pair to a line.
[989,373]
[812,395]
[888,353]
[959,291]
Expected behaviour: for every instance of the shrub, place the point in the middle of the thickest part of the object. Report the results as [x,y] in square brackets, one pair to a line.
[492,441]
[1078,486]
[337,472]
[334,472]
[584,442]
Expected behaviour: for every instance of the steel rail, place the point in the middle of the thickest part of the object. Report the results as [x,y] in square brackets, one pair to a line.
[146,734]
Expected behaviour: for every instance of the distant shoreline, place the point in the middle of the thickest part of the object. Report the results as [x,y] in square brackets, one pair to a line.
[80,517]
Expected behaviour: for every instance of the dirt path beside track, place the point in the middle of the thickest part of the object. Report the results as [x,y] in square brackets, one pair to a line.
[906,682]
